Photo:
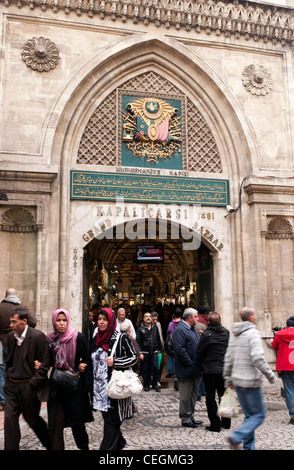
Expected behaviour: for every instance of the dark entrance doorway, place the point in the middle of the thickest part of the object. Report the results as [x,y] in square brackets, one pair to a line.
[113,275]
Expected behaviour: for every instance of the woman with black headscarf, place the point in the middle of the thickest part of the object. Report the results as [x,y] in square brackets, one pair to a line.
[113,411]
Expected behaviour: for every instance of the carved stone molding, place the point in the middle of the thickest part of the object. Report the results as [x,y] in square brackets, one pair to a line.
[19,220]
[40,54]
[279,228]
[237,18]
[257,80]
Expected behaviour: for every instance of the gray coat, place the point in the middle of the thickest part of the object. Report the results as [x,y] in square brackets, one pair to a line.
[244,363]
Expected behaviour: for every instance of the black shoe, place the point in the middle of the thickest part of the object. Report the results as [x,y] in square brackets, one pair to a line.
[157,389]
[197,422]
[147,388]
[190,424]
[176,386]
[169,375]
[209,428]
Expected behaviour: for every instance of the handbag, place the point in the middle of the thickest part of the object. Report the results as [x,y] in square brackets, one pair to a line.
[229,406]
[65,379]
[123,383]
[169,347]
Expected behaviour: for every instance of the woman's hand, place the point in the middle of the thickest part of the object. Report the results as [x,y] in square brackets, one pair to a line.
[37,365]
[110,361]
[82,367]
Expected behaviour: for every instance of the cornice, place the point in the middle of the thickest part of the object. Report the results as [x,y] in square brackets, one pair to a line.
[237,18]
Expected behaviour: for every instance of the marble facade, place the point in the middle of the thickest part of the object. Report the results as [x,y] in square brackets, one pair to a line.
[63,65]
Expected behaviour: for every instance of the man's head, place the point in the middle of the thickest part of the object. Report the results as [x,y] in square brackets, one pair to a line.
[214,318]
[290,321]
[178,313]
[154,317]
[121,314]
[10,291]
[147,318]
[125,328]
[248,314]
[190,316]
[19,320]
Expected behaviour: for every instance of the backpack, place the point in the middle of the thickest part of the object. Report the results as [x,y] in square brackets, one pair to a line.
[169,346]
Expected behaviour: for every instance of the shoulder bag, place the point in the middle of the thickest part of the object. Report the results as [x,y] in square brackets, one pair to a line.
[65,379]
[123,383]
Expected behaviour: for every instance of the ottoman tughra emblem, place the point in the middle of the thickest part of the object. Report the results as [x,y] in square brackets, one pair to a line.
[152,129]
[40,54]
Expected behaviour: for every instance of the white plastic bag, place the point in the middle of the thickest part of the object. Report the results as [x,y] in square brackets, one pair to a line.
[229,406]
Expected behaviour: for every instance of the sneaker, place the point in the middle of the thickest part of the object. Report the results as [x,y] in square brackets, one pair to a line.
[233,444]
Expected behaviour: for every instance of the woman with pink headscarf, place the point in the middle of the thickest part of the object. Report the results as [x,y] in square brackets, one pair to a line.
[68,352]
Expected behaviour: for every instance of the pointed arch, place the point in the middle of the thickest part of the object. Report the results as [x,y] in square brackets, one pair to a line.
[121,62]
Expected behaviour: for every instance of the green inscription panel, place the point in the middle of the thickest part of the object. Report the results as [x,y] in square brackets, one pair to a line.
[148,188]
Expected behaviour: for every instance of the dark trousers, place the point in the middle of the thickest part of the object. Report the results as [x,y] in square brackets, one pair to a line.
[149,366]
[20,398]
[214,383]
[112,436]
[79,432]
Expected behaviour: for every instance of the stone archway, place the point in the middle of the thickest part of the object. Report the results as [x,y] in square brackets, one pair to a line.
[113,274]
[186,71]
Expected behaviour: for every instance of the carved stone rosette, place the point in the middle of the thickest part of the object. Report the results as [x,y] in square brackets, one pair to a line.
[40,54]
[257,80]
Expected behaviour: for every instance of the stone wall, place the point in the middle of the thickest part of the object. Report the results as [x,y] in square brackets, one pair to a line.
[62,65]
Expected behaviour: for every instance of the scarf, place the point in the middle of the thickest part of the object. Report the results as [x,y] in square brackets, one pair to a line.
[63,344]
[103,338]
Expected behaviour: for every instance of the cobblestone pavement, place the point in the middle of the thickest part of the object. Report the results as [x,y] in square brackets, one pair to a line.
[156,426]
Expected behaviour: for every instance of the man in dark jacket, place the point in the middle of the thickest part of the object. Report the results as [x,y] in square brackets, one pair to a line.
[187,367]
[8,305]
[211,350]
[148,339]
[26,386]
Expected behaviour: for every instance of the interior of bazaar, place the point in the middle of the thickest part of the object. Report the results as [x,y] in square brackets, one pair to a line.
[144,274]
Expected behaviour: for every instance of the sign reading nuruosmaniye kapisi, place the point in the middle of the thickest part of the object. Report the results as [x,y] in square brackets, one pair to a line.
[89,185]
[151,132]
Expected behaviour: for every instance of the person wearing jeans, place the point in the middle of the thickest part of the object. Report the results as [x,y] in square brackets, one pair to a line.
[252,404]
[149,343]
[283,343]
[244,367]
[3,359]
[187,366]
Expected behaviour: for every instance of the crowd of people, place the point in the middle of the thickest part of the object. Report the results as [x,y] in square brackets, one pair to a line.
[70,370]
